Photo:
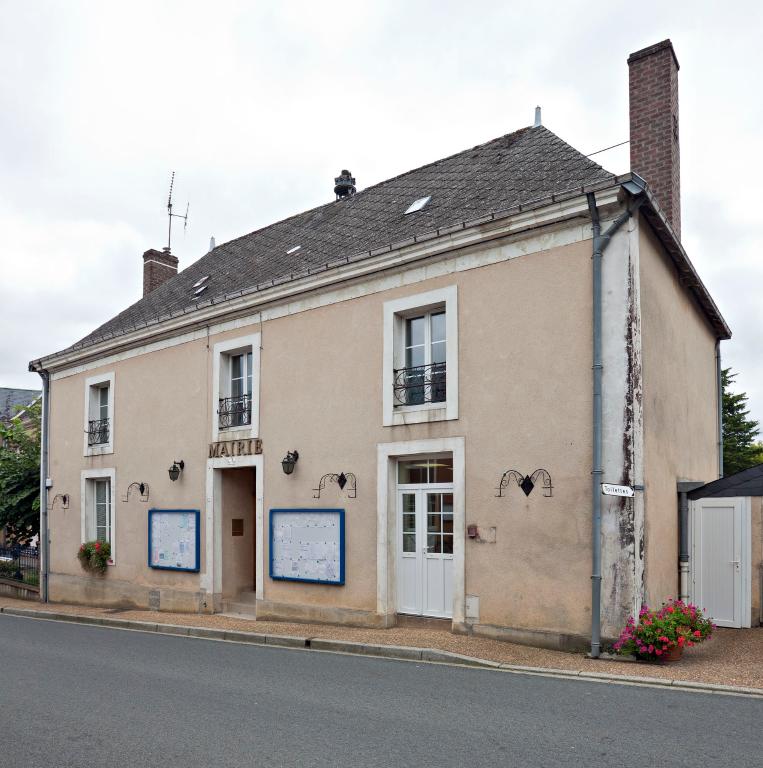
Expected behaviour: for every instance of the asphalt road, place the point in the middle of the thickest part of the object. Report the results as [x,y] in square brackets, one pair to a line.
[73,695]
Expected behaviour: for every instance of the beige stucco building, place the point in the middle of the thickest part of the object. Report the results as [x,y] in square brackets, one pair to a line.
[423,346]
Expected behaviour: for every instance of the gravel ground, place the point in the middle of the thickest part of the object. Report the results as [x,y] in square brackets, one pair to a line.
[732,657]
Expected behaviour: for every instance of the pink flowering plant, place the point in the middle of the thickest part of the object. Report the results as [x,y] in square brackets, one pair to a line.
[94,556]
[658,632]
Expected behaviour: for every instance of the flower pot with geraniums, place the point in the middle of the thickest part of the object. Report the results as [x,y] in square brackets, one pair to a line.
[662,635]
[94,556]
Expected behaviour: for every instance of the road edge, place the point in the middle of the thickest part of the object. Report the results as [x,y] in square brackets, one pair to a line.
[398,652]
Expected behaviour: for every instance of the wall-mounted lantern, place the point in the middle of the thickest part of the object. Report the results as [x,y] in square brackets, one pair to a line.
[142,489]
[289,461]
[175,470]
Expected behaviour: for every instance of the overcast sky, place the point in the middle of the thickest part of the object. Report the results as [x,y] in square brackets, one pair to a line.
[257,106]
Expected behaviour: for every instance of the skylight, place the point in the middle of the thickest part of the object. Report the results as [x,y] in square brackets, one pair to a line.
[201,282]
[201,290]
[417,205]
[293,250]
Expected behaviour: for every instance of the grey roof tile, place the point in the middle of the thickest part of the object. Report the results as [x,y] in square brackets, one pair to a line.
[525,166]
[12,399]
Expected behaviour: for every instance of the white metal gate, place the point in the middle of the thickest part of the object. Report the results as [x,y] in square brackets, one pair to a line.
[720,544]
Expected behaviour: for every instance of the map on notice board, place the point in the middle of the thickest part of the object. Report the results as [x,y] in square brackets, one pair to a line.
[307,545]
[173,539]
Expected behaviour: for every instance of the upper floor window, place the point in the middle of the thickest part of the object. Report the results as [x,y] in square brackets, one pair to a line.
[236,385]
[98,423]
[99,414]
[421,358]
[424,377]
[235,406]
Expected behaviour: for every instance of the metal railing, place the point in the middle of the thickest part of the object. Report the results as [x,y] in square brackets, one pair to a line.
[98,432]
[235,412]
[20,564]
[420,384]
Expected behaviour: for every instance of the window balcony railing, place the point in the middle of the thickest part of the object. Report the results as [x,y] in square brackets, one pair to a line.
[235,412]
[98,432]
[420,384]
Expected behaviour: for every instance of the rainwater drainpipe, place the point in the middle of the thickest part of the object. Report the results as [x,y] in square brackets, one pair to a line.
[719,388]
[600,243]
[44,536]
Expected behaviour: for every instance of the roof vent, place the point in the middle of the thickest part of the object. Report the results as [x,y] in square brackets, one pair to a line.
[344,185]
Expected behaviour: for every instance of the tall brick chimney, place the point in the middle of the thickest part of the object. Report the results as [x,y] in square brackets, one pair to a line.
[158,267]
[653,90]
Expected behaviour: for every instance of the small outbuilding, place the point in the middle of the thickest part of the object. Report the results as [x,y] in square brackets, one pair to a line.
[724,533]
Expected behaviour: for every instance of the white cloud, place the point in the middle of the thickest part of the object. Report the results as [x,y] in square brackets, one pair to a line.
[258,106]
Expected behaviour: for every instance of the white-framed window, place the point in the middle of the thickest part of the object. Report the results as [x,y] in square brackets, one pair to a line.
[420,374]
[97,494]
[236,386]
[99,414]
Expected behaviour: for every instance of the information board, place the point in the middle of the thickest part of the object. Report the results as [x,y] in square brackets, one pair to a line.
[173,539]
[307,545]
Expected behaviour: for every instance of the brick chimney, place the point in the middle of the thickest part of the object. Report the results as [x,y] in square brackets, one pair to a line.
[158,267]
[653,90]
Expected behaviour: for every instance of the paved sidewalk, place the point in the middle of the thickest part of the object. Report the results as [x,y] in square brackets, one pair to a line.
[733,657]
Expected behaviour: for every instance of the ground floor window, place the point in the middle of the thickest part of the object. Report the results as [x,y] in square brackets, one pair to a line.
[98,507]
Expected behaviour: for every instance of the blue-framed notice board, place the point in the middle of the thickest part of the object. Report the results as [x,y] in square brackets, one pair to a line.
[307,545]
[174,540]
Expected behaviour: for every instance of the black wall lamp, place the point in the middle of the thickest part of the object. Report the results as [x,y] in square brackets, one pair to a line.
[289,461]
[175,470]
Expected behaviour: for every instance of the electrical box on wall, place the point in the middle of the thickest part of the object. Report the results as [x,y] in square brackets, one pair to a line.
[472,608]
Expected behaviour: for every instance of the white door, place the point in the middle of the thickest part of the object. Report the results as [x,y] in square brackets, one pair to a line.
[718,559]
[425,551]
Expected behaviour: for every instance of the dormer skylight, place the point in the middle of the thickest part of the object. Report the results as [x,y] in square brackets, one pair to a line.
[293,250]
[201,290]
[417,205]
[201,282]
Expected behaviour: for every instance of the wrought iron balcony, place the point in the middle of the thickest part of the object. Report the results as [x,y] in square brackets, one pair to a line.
[420,384]
[98,432]
[235,412]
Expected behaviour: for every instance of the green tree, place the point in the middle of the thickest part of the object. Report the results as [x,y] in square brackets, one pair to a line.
[20,475]
[739,431]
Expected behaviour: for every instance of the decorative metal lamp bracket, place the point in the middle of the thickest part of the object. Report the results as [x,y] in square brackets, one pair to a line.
[341,480]
[64,498]
[142,490]
[526,482]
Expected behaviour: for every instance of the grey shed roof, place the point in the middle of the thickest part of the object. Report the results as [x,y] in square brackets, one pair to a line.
[525,166]
[748,482]
[12,399]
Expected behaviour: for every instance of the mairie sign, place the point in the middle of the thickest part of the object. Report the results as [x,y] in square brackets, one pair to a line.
[230,448]
[608,489]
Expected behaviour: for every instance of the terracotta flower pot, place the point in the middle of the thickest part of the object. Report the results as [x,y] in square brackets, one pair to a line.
[674,654]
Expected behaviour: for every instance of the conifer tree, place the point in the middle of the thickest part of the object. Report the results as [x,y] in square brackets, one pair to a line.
[739,431]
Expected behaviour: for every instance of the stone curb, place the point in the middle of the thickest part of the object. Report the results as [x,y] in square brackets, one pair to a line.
[401,652]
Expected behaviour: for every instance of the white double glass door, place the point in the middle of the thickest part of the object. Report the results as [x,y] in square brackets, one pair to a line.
[425,550]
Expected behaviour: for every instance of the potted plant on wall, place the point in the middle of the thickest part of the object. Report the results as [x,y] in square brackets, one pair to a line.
[94,556]
[662,635]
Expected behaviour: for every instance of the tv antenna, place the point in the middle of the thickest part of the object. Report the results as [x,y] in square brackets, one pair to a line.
[171,215]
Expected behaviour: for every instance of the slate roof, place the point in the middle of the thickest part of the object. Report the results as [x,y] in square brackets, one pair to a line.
[525,166]
[10,399]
